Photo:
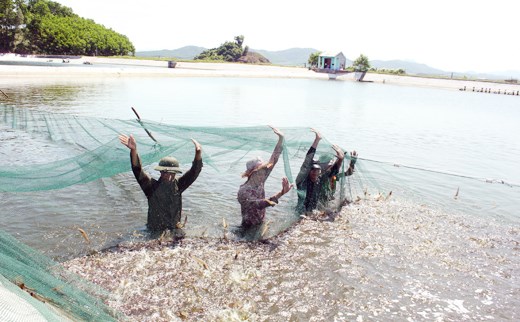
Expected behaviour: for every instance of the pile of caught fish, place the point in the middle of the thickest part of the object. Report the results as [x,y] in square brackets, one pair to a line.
[379,259]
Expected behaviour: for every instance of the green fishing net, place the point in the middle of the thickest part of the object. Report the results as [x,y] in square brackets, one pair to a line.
[45,151]
[79,149]
[54,294]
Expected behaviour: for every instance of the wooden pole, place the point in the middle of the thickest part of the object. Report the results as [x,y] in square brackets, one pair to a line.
[139,120]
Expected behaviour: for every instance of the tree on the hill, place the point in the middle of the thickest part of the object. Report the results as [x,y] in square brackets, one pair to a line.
[239,40]
[228,51]
[361,64]
[47,27]
[313,59]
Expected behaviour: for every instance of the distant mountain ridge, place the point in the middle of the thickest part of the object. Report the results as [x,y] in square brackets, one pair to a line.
[300,56]
[288,57]
[186,52]
[409,67]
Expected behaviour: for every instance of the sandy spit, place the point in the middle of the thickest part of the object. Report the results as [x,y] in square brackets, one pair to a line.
[150,68]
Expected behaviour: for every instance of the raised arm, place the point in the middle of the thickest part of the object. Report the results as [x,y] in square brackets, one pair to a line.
[353,159]
[307,163]
[144,180]
[350,170]
[191,175]
[340,155]
[130,143]
[278,148]
[317,139]
[198,150]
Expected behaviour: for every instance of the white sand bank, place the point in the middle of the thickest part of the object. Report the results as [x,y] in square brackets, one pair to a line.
[113,67]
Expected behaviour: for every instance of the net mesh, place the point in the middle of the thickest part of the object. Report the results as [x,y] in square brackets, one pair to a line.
[82,149]
[56,151]
[49,289]
[62,150]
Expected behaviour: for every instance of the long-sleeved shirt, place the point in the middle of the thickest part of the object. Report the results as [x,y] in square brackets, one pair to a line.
[312,194]
[165,198]
[252,197]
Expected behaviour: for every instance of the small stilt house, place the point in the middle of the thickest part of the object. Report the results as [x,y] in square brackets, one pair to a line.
[332,61]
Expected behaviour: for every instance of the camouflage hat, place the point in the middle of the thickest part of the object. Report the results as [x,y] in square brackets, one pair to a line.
[315,166]
[325,161]
[168,164]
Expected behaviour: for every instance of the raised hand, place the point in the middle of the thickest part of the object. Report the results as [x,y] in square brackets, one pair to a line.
[318,135]
[339,152]
[276,131]
[286,187]
[198,147]
[128,141]
[353,154]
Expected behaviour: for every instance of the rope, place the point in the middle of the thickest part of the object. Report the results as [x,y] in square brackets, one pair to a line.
[486,180]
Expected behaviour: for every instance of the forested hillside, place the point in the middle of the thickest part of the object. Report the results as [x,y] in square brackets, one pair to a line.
[47,27]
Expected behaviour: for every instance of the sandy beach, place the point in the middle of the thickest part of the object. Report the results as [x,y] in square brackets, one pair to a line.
[113,67]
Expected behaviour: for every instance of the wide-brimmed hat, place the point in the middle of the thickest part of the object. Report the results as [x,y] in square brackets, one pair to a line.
[255,165]
[168,164]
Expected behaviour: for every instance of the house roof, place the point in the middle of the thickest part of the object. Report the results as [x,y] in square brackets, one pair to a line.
[330,54]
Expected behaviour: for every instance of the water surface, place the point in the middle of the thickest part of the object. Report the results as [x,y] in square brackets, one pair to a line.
[423,144]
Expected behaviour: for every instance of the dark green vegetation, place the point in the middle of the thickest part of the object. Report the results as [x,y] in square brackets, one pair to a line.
[361,64]
[46,27]
[313,59]
[398,71]
[232,52]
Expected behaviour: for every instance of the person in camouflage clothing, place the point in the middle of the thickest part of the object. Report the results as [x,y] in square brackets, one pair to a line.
[164,195]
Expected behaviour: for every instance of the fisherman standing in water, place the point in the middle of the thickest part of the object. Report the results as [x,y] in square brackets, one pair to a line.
[164,195]
[312,181]
[251,194]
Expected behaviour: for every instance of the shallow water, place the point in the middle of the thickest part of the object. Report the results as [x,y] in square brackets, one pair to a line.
[399,132]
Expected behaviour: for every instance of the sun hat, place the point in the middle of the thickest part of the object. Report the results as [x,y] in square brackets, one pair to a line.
[253,165]
[168,164]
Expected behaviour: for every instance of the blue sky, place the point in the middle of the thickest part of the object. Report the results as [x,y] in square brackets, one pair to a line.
[456,35]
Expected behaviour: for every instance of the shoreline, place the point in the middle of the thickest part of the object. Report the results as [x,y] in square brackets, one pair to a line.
[114,67]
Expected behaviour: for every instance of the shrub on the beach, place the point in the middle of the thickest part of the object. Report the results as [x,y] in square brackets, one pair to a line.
[398,71]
